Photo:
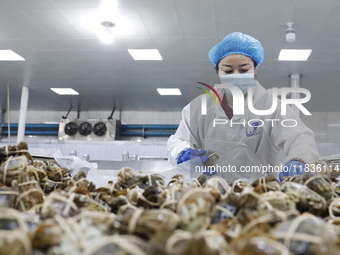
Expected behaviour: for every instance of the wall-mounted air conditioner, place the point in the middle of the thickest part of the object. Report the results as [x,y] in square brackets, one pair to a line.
[90,129]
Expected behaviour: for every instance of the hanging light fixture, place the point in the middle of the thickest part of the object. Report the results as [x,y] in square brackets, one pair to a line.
[106,35]
[290,33]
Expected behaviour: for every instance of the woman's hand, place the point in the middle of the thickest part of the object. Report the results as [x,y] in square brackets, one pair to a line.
[292,168]
[189,154]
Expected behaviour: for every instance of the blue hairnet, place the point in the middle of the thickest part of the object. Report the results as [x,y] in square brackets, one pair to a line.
[237,43]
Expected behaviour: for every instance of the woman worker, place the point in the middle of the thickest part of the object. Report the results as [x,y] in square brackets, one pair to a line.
[258,143]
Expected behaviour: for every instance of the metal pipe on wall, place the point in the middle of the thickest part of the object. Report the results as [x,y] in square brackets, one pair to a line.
[22,115]
[30,132]
[295,82]
[34,126]
[8,119]
[124,126]
[2,119]
[154,133]
[149,126]
[42,129]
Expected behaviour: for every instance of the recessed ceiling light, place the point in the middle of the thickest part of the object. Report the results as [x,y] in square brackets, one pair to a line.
[169,92]
[152,54]
[65,91]
[294,55]
[8,55]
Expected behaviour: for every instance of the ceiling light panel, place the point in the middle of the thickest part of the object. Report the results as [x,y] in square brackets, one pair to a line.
[150,54]
[294,55]
[65,91]
[8,55]
[169,92]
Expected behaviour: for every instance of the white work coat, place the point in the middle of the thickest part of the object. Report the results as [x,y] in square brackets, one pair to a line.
[241,145]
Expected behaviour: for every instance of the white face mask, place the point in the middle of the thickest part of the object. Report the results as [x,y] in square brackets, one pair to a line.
[241,80]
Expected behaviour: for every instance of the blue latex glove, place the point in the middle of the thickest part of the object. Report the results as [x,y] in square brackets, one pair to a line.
[292,168]
[189,154]
[210,171]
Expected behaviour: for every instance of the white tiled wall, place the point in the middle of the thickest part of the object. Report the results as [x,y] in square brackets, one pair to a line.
[326,126]
[150,117]
[127,117]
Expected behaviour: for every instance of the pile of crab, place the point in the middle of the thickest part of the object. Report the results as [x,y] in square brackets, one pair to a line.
[45,210]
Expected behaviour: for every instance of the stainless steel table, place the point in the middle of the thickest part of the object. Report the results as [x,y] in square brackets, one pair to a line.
[111,167]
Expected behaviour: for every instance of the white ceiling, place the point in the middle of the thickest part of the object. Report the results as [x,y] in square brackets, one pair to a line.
[59,40]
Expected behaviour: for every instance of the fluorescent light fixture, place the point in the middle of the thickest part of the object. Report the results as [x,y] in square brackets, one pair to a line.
[294,55]
[151,54]
[169,92]
[65,91]
[8,55]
